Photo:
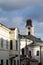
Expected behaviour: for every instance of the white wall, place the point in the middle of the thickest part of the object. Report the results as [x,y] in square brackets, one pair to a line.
[31,30]
[7,34]
[4,33]
[34,50]
[23,43]
[42,55]
[16,33]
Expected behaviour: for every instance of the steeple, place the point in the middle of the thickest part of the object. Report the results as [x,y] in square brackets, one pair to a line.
[29,27]
[29,22]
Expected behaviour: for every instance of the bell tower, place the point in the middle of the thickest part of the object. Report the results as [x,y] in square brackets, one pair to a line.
[29,27]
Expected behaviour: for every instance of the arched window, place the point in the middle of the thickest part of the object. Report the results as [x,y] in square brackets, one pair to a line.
[28,33]
[22,51]
[29,53]
[37,53]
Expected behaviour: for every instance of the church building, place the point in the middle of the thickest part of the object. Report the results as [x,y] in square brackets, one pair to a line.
[31,46]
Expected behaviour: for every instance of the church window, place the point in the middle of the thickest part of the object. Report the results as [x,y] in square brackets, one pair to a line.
[28,33]
[28,27]
[23,51]
[29,53]
[37,53]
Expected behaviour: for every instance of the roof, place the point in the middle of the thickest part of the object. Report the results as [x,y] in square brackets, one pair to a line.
[29,22]
[12,28]
[31,37]
[37,44]
[3,25]
[7,27]
[36,41]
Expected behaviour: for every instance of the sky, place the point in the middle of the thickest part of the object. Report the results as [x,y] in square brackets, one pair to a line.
[14,13]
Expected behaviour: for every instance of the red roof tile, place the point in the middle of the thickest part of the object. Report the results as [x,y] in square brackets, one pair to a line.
[12,28]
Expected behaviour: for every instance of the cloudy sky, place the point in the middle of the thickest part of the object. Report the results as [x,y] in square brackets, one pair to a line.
[14,13]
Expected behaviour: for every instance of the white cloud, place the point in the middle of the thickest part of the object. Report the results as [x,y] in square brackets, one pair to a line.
[19,3]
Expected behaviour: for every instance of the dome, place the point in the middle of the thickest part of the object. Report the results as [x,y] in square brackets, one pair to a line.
[29,22]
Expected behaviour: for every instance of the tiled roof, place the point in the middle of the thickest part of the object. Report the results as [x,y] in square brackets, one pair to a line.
[7,27]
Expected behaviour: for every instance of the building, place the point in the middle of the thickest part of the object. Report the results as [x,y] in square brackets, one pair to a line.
[9,46]
[31,46]
[15,48]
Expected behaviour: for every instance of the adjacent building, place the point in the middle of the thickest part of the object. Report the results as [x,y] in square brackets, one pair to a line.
[9,46]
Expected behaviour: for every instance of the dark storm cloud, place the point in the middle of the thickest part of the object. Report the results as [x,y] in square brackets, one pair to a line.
[16,4]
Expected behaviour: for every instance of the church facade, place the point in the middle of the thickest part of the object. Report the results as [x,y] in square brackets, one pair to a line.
[31,46]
